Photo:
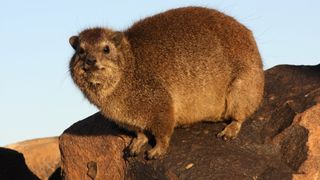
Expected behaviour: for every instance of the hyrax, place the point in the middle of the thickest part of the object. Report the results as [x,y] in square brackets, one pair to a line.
[178,67]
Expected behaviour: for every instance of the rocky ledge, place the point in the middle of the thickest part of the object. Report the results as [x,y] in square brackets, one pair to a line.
[280,141]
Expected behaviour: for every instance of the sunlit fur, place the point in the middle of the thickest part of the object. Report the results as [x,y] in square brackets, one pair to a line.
[179,67]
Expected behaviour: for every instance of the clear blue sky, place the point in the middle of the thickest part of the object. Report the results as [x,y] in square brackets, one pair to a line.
[37,96]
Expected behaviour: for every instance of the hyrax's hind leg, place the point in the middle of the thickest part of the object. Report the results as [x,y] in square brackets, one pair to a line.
[243,98]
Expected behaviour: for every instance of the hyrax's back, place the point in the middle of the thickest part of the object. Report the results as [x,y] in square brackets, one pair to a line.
[207,61]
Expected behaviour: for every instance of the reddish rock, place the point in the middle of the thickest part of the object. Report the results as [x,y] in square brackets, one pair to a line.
[310,168]
[277,142]
[93,149]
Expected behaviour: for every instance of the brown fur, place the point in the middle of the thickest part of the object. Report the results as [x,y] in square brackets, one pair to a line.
[178,67]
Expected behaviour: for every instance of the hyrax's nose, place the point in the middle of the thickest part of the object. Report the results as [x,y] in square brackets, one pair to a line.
[90,60]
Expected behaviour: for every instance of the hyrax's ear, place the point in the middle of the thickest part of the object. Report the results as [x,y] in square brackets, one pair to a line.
[117,37]
[74,42]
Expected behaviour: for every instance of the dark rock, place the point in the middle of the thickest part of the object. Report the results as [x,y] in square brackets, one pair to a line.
[56,175]
[13,166]
[278,142]
[42,155]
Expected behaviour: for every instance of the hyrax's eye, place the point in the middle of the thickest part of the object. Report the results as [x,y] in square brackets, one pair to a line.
[106,50]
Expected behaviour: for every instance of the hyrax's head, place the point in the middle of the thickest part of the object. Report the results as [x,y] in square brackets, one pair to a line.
[99,60]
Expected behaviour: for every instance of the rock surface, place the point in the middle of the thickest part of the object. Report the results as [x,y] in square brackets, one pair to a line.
[40,156]
[92,149]
[310,119]
[280,141]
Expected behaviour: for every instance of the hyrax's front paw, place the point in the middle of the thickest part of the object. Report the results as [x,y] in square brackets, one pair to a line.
[137,144]
[156,153]
[230,131]
[160,149]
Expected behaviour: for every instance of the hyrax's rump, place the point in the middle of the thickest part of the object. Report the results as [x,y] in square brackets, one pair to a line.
[178,67]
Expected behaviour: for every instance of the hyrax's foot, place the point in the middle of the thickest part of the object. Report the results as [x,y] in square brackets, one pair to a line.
[137,143]
[157,152]
[230,131]
[160,149]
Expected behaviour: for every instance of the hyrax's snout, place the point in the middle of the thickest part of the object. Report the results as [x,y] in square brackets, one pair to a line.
[89,62]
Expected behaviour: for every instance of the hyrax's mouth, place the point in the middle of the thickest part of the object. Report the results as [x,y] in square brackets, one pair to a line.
[91,68]
[95,85]
[87,76]
[95,77]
